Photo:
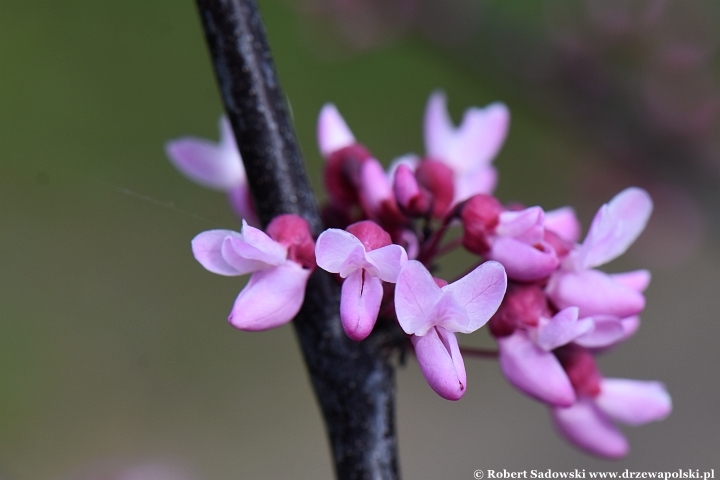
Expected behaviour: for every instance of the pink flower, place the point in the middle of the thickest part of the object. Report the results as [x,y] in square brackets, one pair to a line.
[513,238]
[588,423]
[468,149]
[280,270]
[333,134]
[527,361]
[614,228]
[215,165]
[364,257]
[431,314]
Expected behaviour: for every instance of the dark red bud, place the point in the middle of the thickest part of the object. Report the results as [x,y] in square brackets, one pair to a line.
[437,178]
[480,214]
[522,306]
[342,173]
[370,234]
[581,369]
[293,233]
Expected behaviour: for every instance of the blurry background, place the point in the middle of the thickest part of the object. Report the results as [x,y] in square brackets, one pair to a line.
[114,349]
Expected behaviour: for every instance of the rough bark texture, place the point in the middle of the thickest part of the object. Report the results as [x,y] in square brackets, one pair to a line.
[354,382]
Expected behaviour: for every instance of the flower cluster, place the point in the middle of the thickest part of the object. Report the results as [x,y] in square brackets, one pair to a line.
[548,307]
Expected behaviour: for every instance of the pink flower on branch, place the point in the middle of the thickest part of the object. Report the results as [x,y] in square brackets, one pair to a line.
[588,423]
[365,257]
[468,149]
[217,166]
[615,227]
[280,269]
[514,238]
[431,314]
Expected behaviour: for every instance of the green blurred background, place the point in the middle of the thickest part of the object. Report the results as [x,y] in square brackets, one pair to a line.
[114,349]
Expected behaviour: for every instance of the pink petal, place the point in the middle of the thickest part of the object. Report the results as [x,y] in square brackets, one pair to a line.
[271,298]
[374,186]
[253,245]
[523,262]
[534,371]
[360,304]
[562,329]
[410,160]
[388,261]
[633,401]
[481,134]
[630,326]
[585,426]
[607,331]
[333,247]
[595,293]
[450,315]
[524,225]
[480,293]
[211,165]
[415,296]
[333,132]
[438,126]
[207,249]
[638,280]
[440,361]
[615,227]
[481,180]
[474,143]
[564,223]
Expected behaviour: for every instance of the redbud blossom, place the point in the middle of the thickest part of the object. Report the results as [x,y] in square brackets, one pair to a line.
[468,149]
[364,257]
[615,227]
[431,314]
[215,165]
[276,289]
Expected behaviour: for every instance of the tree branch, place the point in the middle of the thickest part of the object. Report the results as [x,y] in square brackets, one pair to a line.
[354,382]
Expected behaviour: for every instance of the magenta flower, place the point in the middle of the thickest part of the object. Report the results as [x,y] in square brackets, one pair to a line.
[333,133]
[513,238]
[468,149]
[518,243]
[588,423]
[527,361]
[215,165]
[614,228]
[280,270]
[364,257]
[431,314]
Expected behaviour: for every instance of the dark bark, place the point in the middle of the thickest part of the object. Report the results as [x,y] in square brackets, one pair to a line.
[353,382]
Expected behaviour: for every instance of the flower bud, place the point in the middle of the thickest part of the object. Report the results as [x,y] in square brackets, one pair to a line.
[370,234]
[437,178]
[293,233]
[480,214]
[412,199]
[523,305]
[581,369]
[342,173]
